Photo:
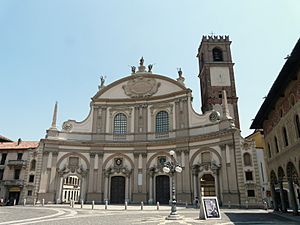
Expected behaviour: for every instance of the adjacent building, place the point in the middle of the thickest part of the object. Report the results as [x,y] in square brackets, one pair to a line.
[17,170]
[117,153]
[279,118]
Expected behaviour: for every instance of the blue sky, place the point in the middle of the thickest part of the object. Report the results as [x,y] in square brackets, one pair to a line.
[56,51]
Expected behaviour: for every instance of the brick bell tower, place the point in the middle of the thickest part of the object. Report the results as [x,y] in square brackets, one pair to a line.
[216,74]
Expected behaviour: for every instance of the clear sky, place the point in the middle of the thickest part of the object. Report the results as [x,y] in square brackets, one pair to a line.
[56,51]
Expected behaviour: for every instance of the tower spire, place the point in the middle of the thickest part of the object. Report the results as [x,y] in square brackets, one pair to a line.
[54,118]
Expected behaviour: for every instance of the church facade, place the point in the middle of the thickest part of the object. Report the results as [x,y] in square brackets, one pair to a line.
[117,153]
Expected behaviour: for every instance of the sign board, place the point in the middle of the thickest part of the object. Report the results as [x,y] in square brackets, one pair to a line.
[209,208]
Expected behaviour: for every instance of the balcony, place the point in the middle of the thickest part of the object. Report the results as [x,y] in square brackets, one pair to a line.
[19,183]
[16,163]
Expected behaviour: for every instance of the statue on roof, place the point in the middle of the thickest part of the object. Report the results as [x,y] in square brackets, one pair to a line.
[150,66]
[179,72]
[133,69]
[102,81]
[142,61]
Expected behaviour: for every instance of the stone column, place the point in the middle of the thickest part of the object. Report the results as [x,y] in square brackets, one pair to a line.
[53,172]
[195,181]
[100,171]
[59,194]
[91,172]
[283,206]
[106,187]
[135,172]
[293,196]
[273,192]
[186,173]
[144,172]
[126,188]
[150,201]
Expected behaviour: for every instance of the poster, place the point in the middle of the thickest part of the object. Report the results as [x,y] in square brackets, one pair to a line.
[210,208]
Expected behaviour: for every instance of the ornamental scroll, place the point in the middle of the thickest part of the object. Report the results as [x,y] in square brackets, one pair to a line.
[141,87]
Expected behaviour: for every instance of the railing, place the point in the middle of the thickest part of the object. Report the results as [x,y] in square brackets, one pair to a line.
[16,163]
[14,182]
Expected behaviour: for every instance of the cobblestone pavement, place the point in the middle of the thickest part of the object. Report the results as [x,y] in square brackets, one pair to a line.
[62,214]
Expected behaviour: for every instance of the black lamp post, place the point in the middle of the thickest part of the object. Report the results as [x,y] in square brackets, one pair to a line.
[172,167]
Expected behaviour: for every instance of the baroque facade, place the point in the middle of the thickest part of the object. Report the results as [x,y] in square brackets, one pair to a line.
[117,153]
[279,116]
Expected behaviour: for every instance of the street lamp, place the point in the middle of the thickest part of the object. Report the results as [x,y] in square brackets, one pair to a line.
[172,167]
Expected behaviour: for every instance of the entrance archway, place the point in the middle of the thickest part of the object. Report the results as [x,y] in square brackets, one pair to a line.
[71,188]
[162,189]
[117,190]
[207,184]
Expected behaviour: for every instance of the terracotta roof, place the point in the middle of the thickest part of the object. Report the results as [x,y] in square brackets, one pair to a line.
[4,139]
[22,145]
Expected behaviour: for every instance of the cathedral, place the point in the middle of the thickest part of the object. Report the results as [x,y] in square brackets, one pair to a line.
[118,152]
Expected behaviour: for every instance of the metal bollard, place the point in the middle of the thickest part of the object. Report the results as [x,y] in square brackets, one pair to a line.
[15,201]
[81,204]
[43,202]
[247,206]
[106,205]
[125,205]
[24,202]
[93,204]
[229,204]
[186,205]
[157,206]
[142,205]
[57,201]
[34,200]
[70,203]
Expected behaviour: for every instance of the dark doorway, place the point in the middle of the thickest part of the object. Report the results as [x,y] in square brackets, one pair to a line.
[117,190]
[207,184]
[163,189]
[13,196]
[278,199]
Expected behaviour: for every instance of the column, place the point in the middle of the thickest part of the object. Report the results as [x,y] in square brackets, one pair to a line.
[196,194]
[135,172]
[126,188]
[186,173]
[144,172]
[150,201]
[283,206]
[106,188]
[273,192]
[82,187]
[91,172]
[100,173]
[61,180]
[53,171]
[293,196]
[44,175]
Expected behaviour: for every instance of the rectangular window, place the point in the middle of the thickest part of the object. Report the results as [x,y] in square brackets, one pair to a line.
[251,193]
[29,193]
[19,157]
[1,174]
[17,174]
[3,159]
[31,179]
[249,175]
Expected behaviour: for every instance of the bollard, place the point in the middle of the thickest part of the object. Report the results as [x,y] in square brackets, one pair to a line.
[81,204]
[125,205]
[93,204]
[73,203]
[24,202]
[43,202]
[265,205]
[15,202]
[157,205]
[229,204]
[57,201]
[186,205]
[34,200]
[247,206]
[142,205]
[70,203]
[106,205]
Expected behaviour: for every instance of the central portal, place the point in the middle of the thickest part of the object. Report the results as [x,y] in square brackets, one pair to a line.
[207,184]
[163,189]
[117,190]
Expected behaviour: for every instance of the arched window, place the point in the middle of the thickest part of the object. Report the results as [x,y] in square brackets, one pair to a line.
[297,124]
[276,144]
[217,54]
[32,165]
[247,159]
[162,122]
[120,124]
[285,137]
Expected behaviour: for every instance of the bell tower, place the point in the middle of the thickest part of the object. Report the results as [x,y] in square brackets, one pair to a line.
[216,74]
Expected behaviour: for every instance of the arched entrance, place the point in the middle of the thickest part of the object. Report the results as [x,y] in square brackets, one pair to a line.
[71,188]
[285,198]
[207,184]
[117,190]
[162,187]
